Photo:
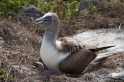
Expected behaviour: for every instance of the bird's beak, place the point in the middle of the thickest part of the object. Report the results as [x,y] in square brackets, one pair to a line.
[39,20]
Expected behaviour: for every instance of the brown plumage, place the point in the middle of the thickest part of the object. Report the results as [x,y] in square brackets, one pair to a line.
[65,54]
[80,57]
[77,61]
[69,45]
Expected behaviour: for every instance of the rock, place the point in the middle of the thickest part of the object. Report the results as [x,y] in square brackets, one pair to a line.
[28,14]
[1,43]
[1,64]
[21,69]
[119,75]
[102,37]
[84,5]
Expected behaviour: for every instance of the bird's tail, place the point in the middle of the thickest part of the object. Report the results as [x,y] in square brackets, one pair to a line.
[106,55]
[102,55]
[101,48]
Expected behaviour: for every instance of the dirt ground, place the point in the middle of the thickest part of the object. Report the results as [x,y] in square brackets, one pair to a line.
[19,45]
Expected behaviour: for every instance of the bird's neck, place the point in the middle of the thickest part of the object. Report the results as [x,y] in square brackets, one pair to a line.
[51,34]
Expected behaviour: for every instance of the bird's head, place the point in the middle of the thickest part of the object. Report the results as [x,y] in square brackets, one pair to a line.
[48,19]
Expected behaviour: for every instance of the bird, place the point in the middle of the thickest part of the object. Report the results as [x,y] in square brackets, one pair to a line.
[64,55]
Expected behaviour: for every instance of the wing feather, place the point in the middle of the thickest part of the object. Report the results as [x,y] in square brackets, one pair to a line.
[69,45]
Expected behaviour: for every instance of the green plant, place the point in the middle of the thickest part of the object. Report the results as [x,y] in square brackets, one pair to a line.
[71,9]
[106,7]
[92,7]
[10,7]
[65,10]
[3,72]
[116,0]
[121,0]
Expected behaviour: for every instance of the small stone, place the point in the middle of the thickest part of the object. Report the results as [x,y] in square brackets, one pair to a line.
[28,14]
[21,69]
[1,64]
[84,5]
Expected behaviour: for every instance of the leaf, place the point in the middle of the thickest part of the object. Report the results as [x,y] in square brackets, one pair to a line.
[3,70]
[105,7]
[1,76]
[10,77]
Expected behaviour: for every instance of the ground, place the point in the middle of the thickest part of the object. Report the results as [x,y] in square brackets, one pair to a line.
[19,46]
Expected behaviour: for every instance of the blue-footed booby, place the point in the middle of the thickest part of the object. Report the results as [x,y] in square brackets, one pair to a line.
[63,55]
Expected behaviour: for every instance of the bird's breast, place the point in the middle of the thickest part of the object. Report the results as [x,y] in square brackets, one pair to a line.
[50,55]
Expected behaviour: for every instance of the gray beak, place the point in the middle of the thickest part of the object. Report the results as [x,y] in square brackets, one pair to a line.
[39,20]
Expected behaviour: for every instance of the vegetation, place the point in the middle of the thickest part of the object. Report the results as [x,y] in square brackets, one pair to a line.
[65,9]
[4,76]
[102,7]
[116,0]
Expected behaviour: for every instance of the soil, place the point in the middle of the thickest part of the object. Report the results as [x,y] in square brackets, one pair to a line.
[19,45]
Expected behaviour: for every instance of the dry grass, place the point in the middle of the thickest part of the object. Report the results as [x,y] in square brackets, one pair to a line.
[22,44]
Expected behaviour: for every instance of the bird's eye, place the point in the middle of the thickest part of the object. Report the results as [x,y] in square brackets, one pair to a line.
[48,18]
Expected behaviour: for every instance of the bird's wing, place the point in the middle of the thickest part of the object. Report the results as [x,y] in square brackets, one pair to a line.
[69,45]
[77,61]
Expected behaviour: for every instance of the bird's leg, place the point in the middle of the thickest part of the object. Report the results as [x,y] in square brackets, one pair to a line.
[45,68]
[40,66]
[49,72]
[41,69]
